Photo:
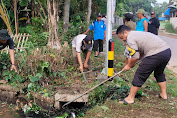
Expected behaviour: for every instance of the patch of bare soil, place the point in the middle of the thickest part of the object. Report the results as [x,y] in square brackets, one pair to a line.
[167,35]
[7,112]
[146,107]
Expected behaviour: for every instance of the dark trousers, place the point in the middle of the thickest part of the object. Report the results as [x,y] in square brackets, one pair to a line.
[98,44]
[156,63]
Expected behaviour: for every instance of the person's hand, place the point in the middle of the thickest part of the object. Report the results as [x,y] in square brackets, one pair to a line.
[81,68]
[114,33]
[85,33]
[13,67]
[85,65]
[126,68]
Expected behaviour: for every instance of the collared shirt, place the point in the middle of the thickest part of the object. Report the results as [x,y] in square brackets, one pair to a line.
[77,42]
[9,42]
[144,44]
[99,28]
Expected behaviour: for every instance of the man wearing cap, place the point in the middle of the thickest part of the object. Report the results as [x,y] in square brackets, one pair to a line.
[84,43]
[153,24]
[99,28]
[5,40]
[142,24]
[154,58]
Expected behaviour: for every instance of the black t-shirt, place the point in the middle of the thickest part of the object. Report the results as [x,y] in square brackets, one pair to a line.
[9,42]
[153,25]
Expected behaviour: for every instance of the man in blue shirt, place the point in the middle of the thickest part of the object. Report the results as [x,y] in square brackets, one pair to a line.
[99,28]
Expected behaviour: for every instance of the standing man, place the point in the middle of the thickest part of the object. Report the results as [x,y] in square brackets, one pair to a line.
[5,40]
[99,28]
[84,43]
[154,56]
[153,24]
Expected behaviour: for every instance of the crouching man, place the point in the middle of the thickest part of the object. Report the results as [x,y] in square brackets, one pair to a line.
[154,53]
[5,40]
[84,43]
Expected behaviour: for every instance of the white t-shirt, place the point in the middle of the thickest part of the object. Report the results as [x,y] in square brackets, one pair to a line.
[77,42]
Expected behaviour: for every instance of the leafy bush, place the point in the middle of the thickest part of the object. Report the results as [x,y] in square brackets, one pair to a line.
[169,28]
[75,28]
[38,36]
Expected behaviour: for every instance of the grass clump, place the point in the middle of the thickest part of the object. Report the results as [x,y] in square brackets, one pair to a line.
[169,28]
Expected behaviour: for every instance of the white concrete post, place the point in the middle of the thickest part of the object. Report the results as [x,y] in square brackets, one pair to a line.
[110,12]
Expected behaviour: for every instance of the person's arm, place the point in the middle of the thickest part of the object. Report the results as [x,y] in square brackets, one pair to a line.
[105,35]
[131,64]
[87,31]
[157,23]
[90,28]
[114,33]
[80,61]
[145,24]
[12,58]
[87,58]
[126,62]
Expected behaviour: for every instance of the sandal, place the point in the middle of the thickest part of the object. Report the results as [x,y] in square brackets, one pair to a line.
[124,102]
[161,97]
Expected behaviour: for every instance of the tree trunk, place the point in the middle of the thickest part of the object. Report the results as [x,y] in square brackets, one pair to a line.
[16,17]
[53,41]
[66,15]
[89,10]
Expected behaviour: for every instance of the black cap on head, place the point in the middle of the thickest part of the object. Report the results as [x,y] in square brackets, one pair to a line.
[152,13]
[99,15]
[4,35]
[88,41]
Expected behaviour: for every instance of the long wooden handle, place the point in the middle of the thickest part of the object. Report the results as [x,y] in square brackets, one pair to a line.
[91,89]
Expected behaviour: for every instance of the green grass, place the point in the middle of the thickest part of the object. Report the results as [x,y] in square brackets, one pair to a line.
[162,24]
[145,106]
[169,28]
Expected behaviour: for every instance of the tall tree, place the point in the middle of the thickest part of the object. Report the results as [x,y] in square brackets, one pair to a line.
[160,8]
[66,15]
[89,10]
[53,41]
[134,5]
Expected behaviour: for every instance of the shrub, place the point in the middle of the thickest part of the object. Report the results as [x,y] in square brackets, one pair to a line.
[169,28]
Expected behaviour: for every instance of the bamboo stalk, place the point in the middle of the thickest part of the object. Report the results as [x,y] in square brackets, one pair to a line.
[42,9]
[6,18]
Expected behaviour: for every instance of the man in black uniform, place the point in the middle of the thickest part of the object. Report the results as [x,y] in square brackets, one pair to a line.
[153,24]
[5,40]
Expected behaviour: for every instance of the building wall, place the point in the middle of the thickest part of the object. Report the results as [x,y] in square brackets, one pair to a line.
[173,21]
[118,21]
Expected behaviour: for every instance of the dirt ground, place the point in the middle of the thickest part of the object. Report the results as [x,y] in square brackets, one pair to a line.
[149,106]
[167,35]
